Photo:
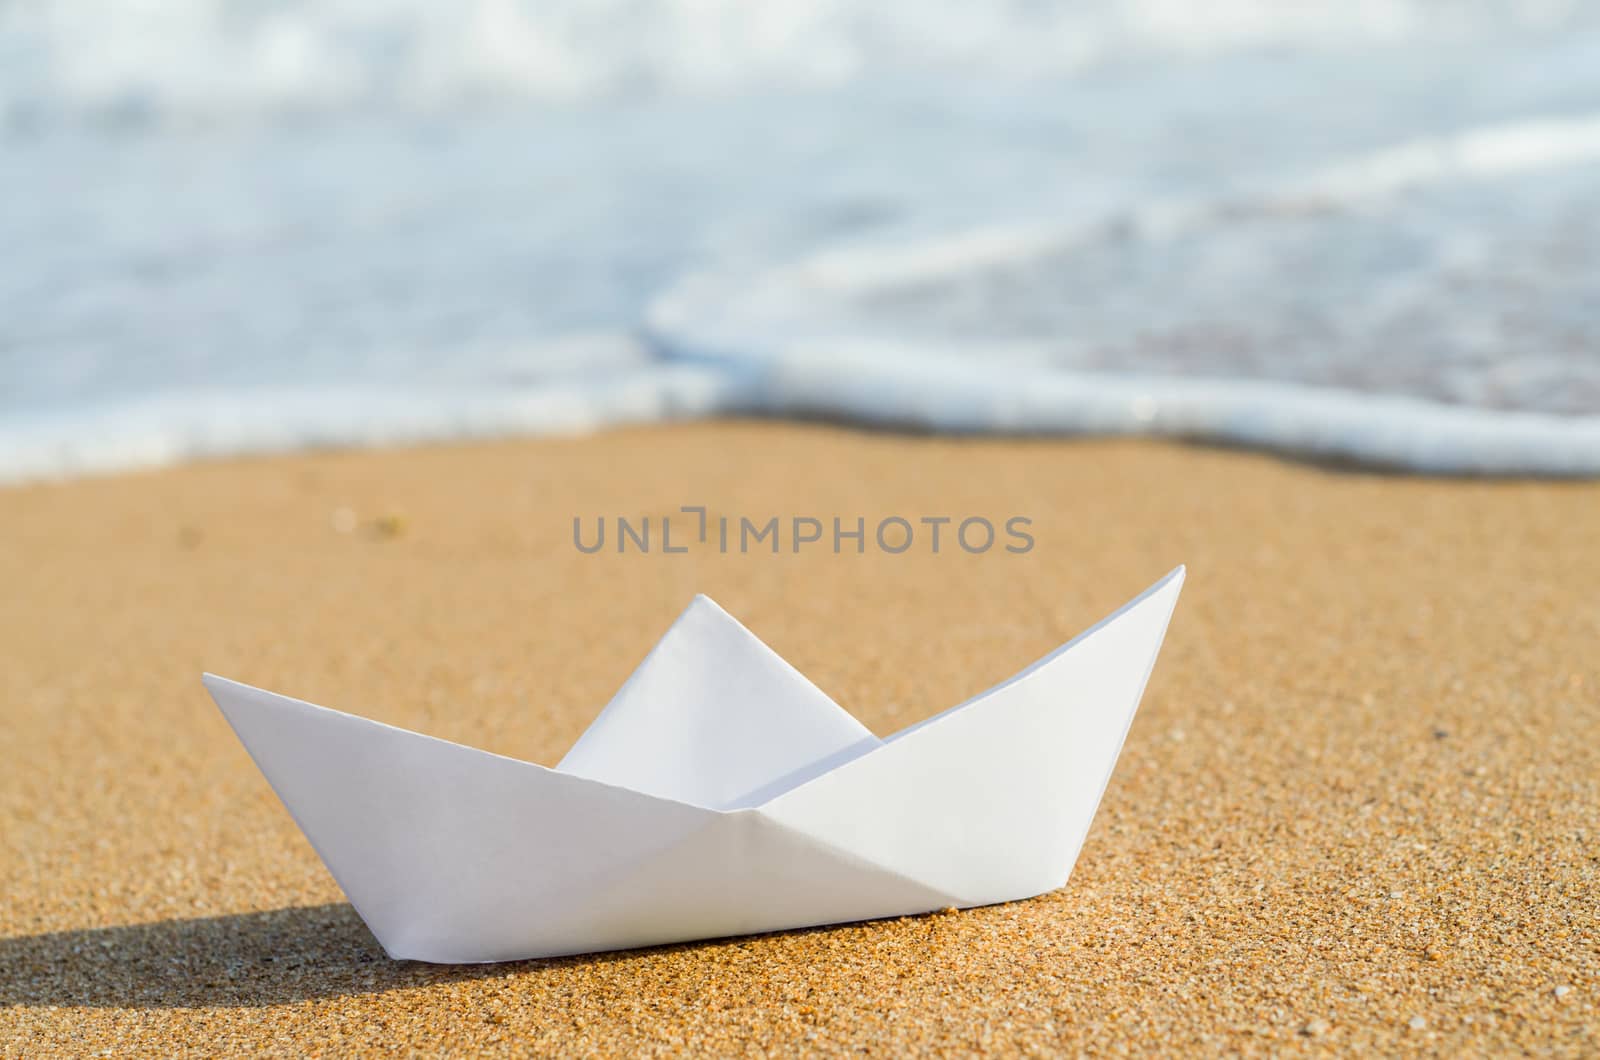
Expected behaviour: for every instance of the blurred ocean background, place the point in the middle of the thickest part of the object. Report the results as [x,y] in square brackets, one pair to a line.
[1362,230]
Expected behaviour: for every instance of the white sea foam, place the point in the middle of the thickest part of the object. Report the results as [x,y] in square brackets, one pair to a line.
[912,389]
[188,423]
[901,389]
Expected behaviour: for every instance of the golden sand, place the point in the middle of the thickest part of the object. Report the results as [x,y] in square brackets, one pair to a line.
[1359,809]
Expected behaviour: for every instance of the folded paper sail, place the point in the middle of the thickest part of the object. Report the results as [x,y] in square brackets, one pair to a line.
[720,793]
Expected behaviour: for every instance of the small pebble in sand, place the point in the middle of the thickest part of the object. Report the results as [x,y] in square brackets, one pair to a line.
[1562,991]
[386,526]
[1416,1023]
[1315,1029]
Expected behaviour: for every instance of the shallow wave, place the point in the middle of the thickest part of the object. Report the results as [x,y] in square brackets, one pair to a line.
[1430,306]
[1363,232]
[210,60]
[911,389]
[180,424]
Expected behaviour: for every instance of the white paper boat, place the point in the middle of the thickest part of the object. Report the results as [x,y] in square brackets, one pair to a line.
[720,793]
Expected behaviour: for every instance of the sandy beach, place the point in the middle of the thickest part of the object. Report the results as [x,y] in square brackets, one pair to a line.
[1358,811]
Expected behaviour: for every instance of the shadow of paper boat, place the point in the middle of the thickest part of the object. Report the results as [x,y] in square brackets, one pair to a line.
[719,793]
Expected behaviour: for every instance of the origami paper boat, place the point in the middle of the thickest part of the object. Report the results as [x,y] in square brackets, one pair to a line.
[720,793]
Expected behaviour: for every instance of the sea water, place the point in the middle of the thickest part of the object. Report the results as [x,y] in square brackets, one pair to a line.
[1361,231]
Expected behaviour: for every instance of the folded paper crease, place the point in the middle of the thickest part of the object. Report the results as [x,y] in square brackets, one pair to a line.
[718,793]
